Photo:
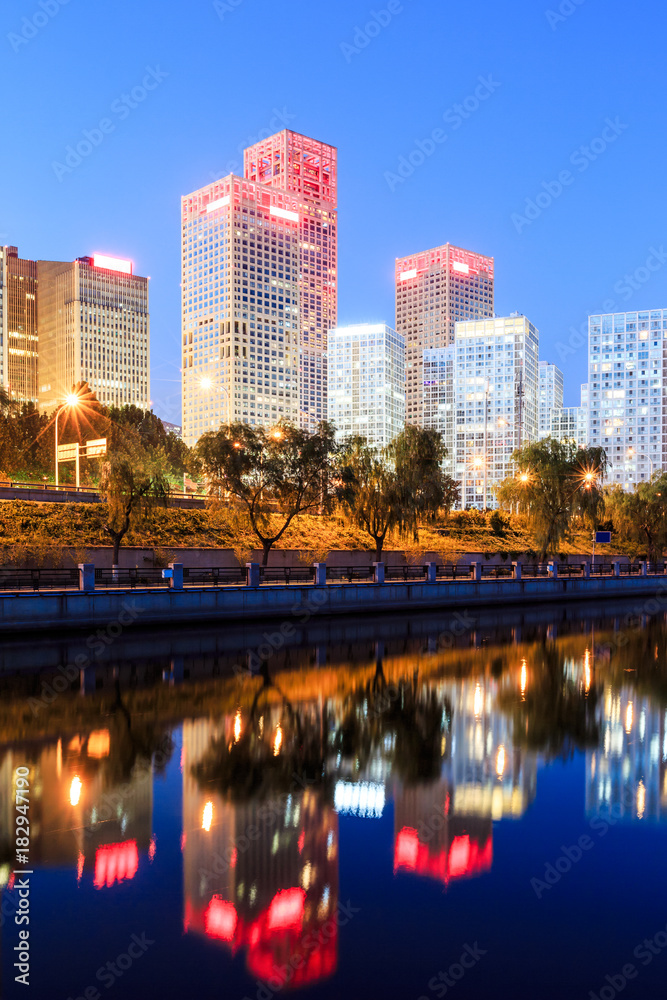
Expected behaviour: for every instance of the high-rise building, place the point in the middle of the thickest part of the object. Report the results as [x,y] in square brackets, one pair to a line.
[570,424]
[439,404]
[240,305]
[496,395]
[551,397]
[367,382]
[434,290]
[627,411]
[584,395]
[18,325]
[94,328]
[308,170]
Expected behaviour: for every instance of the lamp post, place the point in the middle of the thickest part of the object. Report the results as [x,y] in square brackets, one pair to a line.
[71,401]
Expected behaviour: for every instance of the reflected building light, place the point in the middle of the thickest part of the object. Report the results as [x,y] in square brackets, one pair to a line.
[286,909]
[524,677]
[237,726]
[59,758]
[207,818]
[629,718]
[75,790]
[152,848]
[220,919]
[642,725]
[278,741]
[641,800]
[115,863]
[80,862]
[99,743]
[478,701]
[587,671]
[365,799]
[500,761]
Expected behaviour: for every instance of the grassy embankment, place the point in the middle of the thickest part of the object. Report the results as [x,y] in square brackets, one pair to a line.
[38,532]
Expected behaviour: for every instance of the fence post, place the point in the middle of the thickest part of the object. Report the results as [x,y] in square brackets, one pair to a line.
[320,574]
[643,569]
[252,574]
[517,570]
[476,568]
[586,570]
[176,580]
[617,568]
[552,569]
[379,572]
[87,577]
[432,572]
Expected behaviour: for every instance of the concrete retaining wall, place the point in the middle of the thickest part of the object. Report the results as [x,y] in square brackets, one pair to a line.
[73,610]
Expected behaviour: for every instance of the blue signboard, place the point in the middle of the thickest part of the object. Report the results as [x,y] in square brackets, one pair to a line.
[603,537]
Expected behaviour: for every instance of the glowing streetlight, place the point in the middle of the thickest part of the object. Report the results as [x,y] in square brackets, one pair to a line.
[500,761]
[524,477]
[71,401]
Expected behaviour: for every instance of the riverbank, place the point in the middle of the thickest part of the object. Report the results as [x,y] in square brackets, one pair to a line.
[114,610]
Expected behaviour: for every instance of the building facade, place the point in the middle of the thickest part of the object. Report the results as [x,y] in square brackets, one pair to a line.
[439,403]
[551,397]
[240,306]
[18,326]
[627,392]
[570,424]
[308,170]
[94,327]
[496,388]
[434,290]
[367,382]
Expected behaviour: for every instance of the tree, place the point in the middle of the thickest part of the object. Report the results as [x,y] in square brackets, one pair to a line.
[370,492]
[557,482]
[273,476]
[417,455]
[130,486]
[641,516]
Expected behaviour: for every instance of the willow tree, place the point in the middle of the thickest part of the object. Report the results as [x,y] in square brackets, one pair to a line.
[370,492]
[640,517]
[556,482]
[417,456]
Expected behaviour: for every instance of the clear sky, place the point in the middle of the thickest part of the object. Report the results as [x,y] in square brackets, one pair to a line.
[225,73]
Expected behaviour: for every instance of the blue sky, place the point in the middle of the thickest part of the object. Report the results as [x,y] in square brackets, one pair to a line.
[556,73]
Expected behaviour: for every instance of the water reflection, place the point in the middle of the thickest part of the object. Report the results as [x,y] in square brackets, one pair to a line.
[451,740]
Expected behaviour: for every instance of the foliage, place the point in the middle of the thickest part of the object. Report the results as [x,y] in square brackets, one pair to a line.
[131,484]
[272,476]
[640,516]
[422,488]
[556,483]
[370,492]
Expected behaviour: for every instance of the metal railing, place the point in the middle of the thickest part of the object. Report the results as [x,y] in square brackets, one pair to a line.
[129,578]
[350,574]
[405,573]
[452,571]
[12,579]
[214,576]
[286,574]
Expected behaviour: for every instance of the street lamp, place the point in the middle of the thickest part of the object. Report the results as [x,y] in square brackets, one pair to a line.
[71,401]
[207,383]
[634,454]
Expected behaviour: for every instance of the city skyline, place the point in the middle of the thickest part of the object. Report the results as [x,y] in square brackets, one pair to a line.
[175,136]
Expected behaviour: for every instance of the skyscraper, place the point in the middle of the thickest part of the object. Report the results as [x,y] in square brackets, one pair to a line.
[18,325]
[627,368]
[308,170]
[496,396]
[551,396]
[439,403]
[240,305]
[94,327]
[570,424]
[434,290]
[367,382]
